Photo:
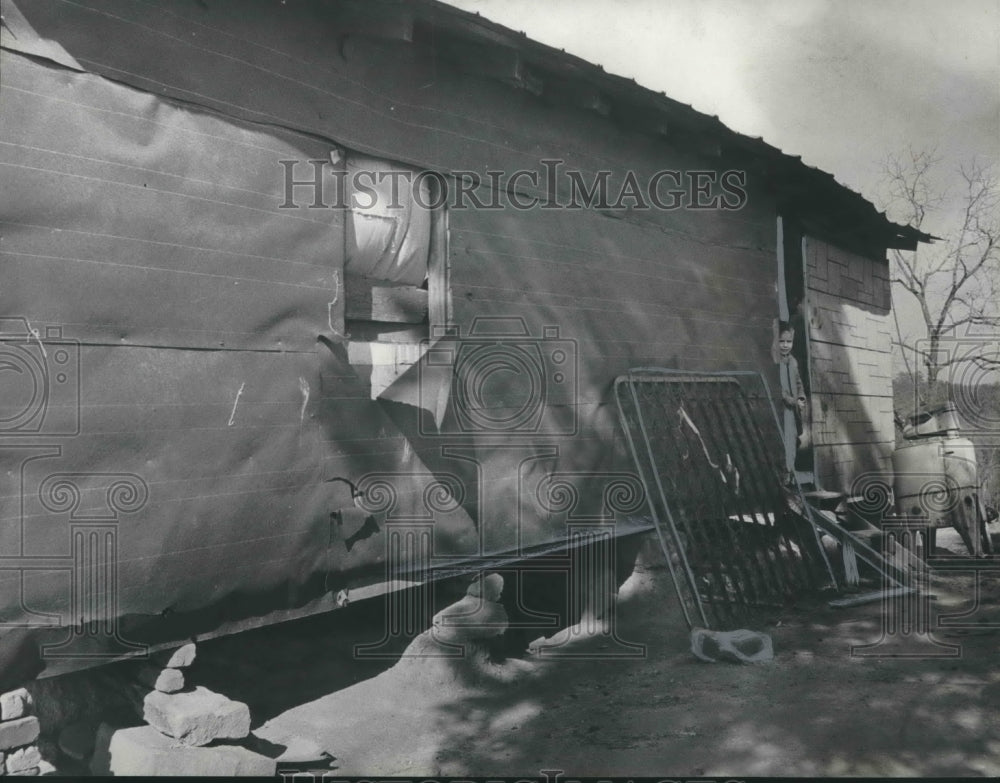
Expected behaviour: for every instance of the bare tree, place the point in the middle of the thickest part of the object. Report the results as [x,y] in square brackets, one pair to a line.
[954,280]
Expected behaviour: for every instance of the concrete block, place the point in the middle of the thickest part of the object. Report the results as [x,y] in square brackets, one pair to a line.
[487,586]
[470,618]
[15,733]
[740,646]
[165,680]
[49,748]
[145,751]
[22,759]
[46,768]
[26,772]
[198,716]
[169,681]
[175,659]
[15,704]
[77,741]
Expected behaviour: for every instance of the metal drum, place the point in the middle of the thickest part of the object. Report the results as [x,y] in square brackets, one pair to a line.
[940,421]
[937,478]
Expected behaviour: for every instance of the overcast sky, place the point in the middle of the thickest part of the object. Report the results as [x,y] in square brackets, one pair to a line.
[840,82]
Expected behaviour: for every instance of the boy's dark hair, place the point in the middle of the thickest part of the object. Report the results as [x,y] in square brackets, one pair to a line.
[785,326]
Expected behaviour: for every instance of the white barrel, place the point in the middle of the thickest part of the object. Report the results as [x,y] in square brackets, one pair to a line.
[936,478]
[941,421]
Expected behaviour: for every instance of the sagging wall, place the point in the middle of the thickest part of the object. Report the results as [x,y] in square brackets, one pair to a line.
[200,304]
[189,308]
[850,364]
[620,294]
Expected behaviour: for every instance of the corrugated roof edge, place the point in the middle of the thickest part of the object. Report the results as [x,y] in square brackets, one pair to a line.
[786,167]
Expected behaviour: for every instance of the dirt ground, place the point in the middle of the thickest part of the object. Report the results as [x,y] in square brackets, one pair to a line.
[815,710]
[634,702]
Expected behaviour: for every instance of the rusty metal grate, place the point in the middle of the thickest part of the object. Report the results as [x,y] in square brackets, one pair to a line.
[708,450]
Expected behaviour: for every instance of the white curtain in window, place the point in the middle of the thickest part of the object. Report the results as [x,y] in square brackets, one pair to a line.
[389,225]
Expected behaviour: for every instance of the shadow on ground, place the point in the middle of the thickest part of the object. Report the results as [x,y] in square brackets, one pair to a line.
[817,709]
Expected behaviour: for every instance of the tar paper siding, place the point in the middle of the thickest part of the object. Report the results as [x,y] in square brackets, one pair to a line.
[199,304]
[150,234]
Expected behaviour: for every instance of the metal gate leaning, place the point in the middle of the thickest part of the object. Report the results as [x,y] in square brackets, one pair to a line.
[707,448]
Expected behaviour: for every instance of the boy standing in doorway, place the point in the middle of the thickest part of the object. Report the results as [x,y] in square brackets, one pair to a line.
[793,394]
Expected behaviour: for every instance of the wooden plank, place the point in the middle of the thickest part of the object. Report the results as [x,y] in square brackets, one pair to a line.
[497,62]
[439,295]
[381,363]
[375,332]
[366,300]
[867,598]
[827,523]
[566,92]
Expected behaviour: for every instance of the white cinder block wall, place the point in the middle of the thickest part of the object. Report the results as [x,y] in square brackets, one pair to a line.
[850,364]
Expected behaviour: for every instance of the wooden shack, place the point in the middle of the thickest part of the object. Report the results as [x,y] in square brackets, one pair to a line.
[244,358]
